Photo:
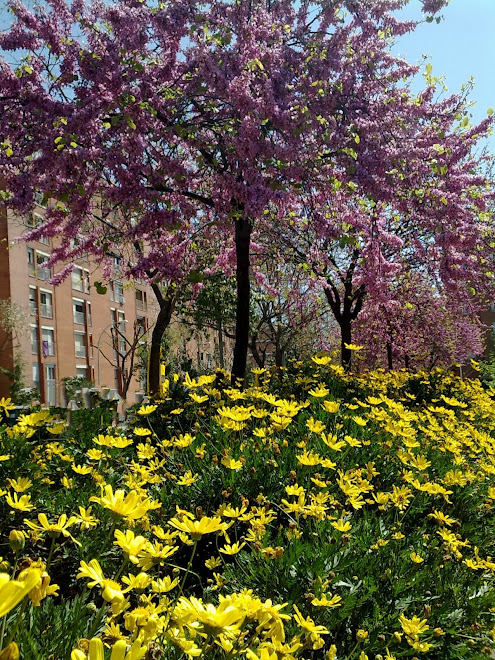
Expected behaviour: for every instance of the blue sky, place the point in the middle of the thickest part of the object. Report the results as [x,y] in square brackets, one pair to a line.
[460,46]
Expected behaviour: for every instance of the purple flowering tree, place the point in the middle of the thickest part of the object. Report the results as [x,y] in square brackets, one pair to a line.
[156,126]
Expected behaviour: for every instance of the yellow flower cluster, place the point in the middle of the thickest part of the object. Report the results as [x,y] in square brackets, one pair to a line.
[223,484]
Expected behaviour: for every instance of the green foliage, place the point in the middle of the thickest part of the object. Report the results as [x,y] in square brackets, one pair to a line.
[373,493]
[73,387]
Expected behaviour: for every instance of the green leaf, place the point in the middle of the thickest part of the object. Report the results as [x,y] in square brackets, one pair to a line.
[99,288]
[195,276]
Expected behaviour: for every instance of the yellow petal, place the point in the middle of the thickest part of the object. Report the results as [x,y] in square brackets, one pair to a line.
[13,591]
[118,650]
[77,655]
[96,649]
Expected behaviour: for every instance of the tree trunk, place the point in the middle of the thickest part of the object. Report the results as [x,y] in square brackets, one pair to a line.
[259,358]
[221,357]
[161,324]
[242,245]
[390,361]
[345,338]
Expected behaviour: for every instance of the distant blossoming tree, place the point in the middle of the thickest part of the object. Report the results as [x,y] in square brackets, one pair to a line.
[419,235]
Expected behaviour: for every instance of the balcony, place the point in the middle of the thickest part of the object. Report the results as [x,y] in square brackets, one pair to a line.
[43,273]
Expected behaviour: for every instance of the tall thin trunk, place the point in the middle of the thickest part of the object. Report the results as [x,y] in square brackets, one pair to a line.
[221,357]
[242,248]
[390,361]
[162,322]
[345,338]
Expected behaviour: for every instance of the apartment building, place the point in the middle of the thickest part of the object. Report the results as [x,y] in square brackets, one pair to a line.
[71,329]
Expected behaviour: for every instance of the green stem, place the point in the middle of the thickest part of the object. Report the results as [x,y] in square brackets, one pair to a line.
[50,554]
[187,569]
[18,620]
[2,632]
[109,537]
[97,620]
[121,569]
[172,605]
[4,620]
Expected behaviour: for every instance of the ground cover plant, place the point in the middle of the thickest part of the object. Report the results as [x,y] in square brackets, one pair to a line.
[315,514]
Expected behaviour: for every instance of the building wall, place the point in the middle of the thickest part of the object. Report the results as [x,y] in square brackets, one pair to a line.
[68,327]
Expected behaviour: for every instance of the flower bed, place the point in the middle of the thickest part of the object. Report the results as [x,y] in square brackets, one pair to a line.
[312,515]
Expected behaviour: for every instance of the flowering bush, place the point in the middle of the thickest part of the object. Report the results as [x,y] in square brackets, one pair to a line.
[312,515]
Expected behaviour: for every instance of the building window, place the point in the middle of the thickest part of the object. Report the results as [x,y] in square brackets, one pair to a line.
[39,198]
[81,371]
[47,341]
[33,307]
[77,279]
[51,384]
[34,220]
[141,324]
[34,340]
[117,265]
[78,309]
[117,292]
[46,304]
[36,376]
[42,272]
[121,322]
[88,313]
[141,299]
[30,260]
[80,344]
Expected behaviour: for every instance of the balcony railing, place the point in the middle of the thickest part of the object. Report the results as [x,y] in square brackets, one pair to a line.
[43,273]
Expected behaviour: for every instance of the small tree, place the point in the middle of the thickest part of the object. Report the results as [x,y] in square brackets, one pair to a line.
[126,349]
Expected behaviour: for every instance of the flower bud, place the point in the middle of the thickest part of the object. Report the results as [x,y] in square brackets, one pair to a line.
[17,540]
[10,652]
[361,635]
